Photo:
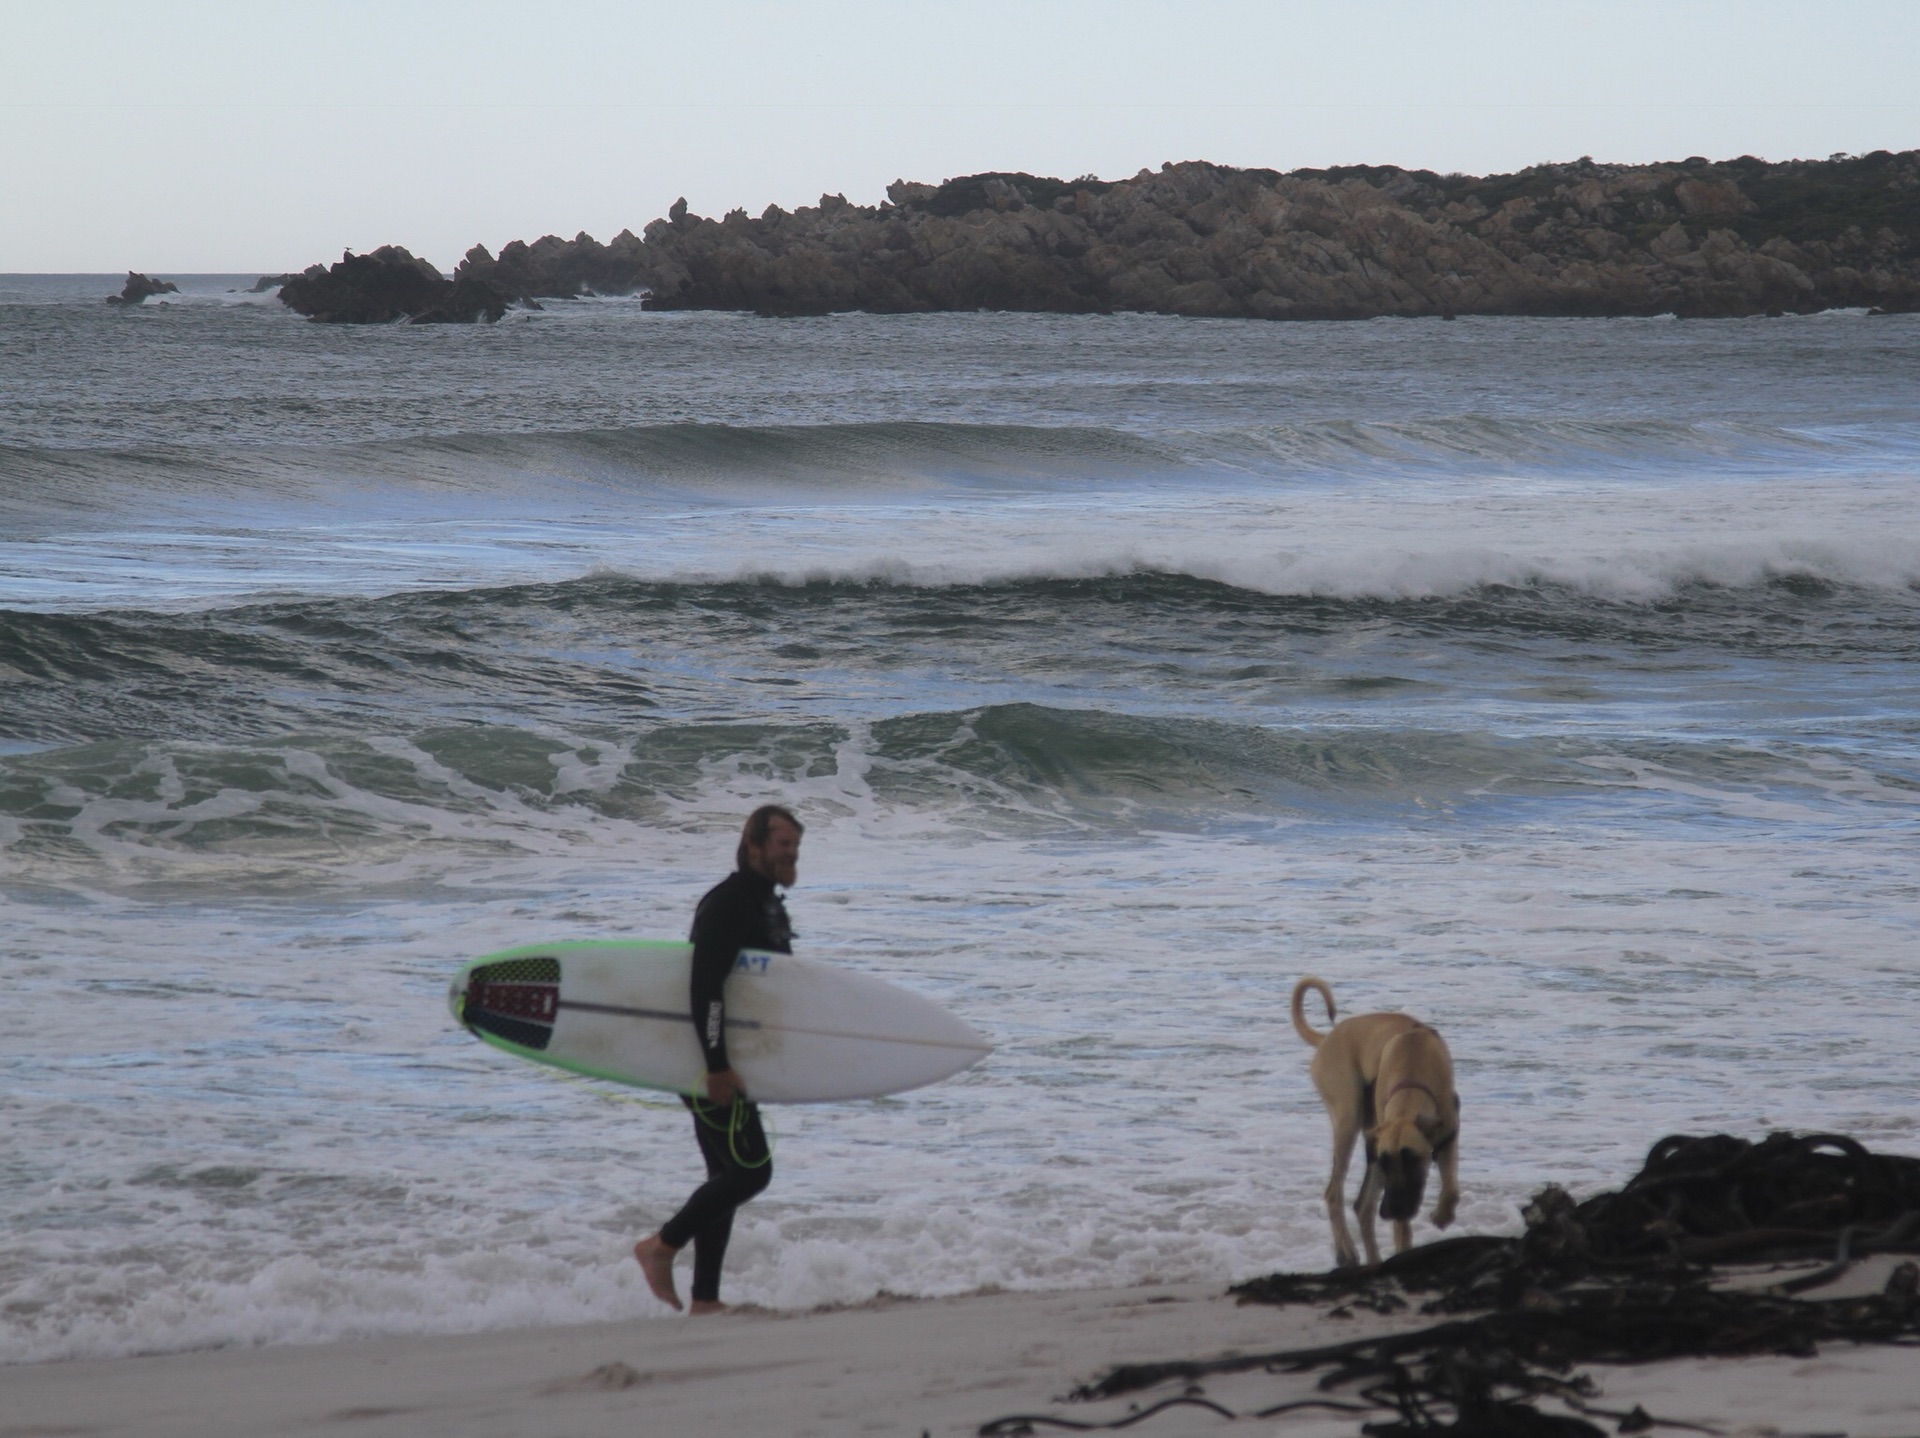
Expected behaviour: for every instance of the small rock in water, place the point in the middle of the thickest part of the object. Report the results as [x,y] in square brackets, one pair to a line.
[138,287]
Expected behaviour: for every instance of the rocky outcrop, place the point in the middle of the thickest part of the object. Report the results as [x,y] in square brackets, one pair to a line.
[138,287]
[552,268]
[388,285]
[1694,238]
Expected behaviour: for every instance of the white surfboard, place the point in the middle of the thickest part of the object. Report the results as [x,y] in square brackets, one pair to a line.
[798,1031]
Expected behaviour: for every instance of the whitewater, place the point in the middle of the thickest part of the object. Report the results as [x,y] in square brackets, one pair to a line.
[1552,680]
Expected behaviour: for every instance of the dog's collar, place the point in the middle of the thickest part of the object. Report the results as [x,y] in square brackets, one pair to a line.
[1413,1084]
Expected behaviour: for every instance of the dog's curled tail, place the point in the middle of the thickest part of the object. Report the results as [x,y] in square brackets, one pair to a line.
[1300,1025]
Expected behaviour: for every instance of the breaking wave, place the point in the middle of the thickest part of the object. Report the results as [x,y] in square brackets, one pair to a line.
[826,461]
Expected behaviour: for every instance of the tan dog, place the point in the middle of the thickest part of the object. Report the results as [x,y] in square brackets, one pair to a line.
[1389,1077]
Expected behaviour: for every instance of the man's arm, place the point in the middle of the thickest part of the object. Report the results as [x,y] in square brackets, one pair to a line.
[716,947]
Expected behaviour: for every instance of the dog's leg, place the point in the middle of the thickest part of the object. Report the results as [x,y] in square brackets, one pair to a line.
[1346,1128]
[1449,1200]
[1367,1207]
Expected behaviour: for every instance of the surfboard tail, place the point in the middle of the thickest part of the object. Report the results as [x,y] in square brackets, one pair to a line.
[515,999]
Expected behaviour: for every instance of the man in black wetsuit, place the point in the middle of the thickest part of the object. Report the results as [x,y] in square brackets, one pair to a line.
[742,911]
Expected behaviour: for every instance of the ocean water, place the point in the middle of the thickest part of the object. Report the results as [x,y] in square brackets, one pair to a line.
[1555,681]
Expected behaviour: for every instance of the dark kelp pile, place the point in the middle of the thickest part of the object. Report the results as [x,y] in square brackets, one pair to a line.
[1625,1277]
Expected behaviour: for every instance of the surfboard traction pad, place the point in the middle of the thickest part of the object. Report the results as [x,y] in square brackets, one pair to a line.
[516,1000]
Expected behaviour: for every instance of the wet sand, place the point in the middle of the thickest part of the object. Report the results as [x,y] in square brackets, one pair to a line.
[940,1367]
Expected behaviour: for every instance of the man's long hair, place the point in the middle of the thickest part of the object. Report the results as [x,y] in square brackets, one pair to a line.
[759,826]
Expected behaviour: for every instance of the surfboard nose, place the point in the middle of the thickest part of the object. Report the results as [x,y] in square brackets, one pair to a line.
[456,996]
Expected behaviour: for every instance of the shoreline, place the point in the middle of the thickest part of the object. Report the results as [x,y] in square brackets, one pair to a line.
[943,1367]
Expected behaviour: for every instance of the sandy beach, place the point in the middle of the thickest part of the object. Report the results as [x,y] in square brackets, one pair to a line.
[940,1367]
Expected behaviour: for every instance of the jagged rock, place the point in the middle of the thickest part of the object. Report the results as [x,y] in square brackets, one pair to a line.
[1199,239]
[267,282]
[1711,197]
[467,299]
[553,268]
[392,284]
[387,285]
[1693,238]
[138,287]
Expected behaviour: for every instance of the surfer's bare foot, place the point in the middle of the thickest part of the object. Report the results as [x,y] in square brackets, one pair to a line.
[656,1264]
[706,1305]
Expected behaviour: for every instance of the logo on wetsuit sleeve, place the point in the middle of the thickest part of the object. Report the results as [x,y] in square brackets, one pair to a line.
[715,1011]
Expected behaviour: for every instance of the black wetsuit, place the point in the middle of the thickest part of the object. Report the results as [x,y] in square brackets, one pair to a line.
[742,911]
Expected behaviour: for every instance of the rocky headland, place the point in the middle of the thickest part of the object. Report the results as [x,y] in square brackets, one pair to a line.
[1695,238]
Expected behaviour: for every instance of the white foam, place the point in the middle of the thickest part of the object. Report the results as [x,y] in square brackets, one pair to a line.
[237,1111]
[264,1129]
[1382,539]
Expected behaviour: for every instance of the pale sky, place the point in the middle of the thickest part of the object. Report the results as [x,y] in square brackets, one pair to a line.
[253,136]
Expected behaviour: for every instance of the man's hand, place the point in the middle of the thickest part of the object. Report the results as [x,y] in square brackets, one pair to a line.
[724,1086]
